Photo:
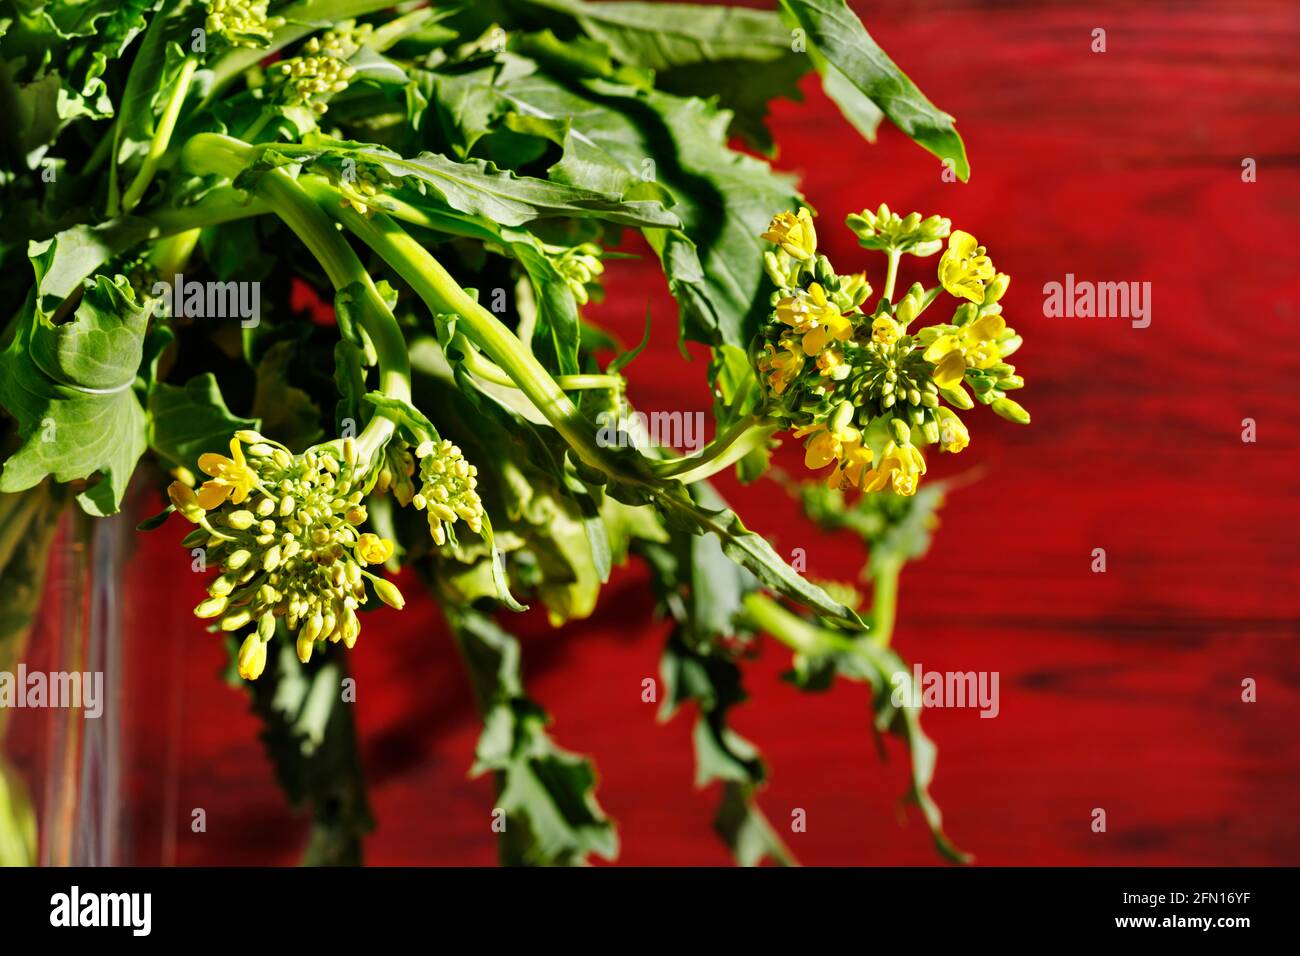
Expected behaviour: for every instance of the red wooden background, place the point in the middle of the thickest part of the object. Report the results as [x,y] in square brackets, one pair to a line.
[1119,690]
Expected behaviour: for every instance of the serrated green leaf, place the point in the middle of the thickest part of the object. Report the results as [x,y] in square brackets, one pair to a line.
[70,388]
[309,734]
[186,421]
[858,67]
[551,813]
[741,57]
[475,187]
[287,413]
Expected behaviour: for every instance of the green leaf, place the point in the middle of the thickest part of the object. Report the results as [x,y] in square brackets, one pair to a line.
[552,817]
[854,66]
[53,61]
[696,666]
[623,360]
[745,829]
[740,57]
[752,552]
[404,413]
[660,36]
[309,733]
[186,421]
[475,187]
[287,413]
[821,653]
[626,140]
[70,388]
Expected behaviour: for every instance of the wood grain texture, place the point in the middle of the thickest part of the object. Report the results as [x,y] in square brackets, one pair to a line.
[1119,690]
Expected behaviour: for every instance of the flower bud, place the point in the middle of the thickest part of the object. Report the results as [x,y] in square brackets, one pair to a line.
[312,628]
[1011,410]
[239,520]
[388,593]
[252,657]
[996,288]
[211,607]
[185,501]
[236,619]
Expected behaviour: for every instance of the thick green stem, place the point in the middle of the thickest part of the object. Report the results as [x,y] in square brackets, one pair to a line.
[480,367]
[224,156]
[223,204]
[442,294]
[892,276]
[884,604]
[796,633]
[162,137]
[725,450]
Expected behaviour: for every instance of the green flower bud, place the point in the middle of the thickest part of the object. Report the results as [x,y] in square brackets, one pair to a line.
[236,619]
[388,593]
[211,607]
[252,657]
[239,520]
[1011,410]
[902,431]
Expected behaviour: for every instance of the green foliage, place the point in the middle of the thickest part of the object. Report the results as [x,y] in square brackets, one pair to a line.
[483,161]
[309,734]
[70,387]
[858,75]
[186,421]
[28,521]
[551,814]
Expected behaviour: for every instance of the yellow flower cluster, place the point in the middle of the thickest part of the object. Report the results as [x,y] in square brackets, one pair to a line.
[864,390]
[241,22]
[323,67]
[447,491]
[283,532]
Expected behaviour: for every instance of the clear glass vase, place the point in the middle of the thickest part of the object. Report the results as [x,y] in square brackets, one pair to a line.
[61,661]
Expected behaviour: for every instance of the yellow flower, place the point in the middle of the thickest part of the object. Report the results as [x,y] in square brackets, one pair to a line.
[901,467]
[826,444]
[372,549]
[231,477]
[794,234]
[783,367]
[855,460]
[185,501]
[252,657]
[972,346]
[832,365]
[885,330]
[964,268]
[812,315]
[953,435]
